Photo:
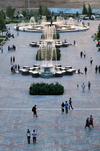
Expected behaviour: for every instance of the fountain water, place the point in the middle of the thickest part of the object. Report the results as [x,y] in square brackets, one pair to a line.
[61,25]
[47,51]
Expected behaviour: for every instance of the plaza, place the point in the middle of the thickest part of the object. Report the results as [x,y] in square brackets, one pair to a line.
[55,131]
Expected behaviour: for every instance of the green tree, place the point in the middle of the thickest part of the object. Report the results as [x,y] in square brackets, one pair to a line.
[84,11]
[89,10]
[24,13]
[2,22]
[99,31]
[40,10]
[10,12]
[77,14]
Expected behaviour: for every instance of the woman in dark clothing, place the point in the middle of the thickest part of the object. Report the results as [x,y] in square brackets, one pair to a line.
[87,123]
[70,104]
[62,107]
[28,134]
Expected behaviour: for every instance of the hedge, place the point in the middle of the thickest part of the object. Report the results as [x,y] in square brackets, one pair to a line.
[48,55]
[46,89]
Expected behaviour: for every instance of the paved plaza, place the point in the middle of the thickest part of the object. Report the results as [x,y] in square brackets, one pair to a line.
[55,131]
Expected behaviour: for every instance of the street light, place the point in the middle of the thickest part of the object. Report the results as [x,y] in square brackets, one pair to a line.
[29,7]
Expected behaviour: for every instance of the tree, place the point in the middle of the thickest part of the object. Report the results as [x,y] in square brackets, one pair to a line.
[2,22]
[77,14]
[25,13]
[99,31]
[84,11]
[40,10]
[10,12]
[89,10]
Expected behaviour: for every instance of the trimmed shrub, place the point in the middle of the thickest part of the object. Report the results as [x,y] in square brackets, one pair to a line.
[48,55]
[46,89]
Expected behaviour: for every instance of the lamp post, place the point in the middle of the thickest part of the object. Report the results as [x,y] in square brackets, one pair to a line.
[29,7]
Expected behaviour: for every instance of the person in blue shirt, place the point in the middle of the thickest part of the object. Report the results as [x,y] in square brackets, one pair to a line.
[66,107]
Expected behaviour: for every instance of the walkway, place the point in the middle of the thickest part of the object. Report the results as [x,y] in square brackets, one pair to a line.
[56,131]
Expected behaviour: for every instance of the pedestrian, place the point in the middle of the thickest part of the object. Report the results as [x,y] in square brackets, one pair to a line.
[87,123]
[91,60]
[70,104]
[91,121]
[83,87]
[62,107]
[12,68]
[34,111]
[74,42]
[66,107]
[85,69]
[34,136]
[96,69]
[84,53]
[77,86]
[1,49]
[28,134]
[78,70]
[81,54]
[18,67]
[13,59]
[99,68]
[89,85]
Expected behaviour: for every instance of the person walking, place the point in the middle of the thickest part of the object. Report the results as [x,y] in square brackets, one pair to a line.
[91,60]
[99,68]
[96,69]
[74,42]
[62,107]
[70,104]
[28,134]
[85,69]
[34,136]
[66,107]
[87,123]
[84,53]
[11,60]
[83,87]
[89,85]
[34,111]
[1,49]
[81,54]
[18,67]
[91,121]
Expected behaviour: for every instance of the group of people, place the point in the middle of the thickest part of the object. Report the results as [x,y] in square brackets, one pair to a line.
[28,134]
[82,54]
[14,67]
[12,48]
[89,122]
[65,106]
[83,86]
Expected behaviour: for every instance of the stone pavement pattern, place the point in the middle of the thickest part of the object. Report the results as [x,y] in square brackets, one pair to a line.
[56,131]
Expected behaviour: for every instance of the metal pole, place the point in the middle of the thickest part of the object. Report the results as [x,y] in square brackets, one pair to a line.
[29,7]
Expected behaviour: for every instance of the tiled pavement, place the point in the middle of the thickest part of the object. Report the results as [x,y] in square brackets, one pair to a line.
[56,131]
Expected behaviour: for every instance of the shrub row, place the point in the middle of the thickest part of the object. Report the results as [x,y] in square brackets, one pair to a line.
[46,89]
[56,55]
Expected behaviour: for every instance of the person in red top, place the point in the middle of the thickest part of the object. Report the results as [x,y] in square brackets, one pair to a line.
[91,121]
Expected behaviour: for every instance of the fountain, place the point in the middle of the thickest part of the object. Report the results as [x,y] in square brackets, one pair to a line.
[46,54]
[61,25]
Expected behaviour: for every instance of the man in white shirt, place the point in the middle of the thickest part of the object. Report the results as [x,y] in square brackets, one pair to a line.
[34,136]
